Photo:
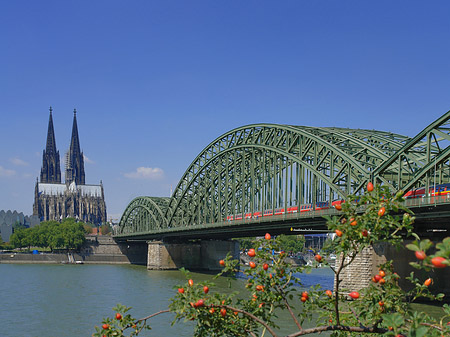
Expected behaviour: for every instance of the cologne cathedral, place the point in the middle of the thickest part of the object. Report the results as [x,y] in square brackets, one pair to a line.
[54,200]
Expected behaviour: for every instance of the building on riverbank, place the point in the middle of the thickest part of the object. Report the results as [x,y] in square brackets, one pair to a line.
[9,219]
[54,200]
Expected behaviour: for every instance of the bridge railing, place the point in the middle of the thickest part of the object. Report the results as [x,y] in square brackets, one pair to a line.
[428,201]
[291,217]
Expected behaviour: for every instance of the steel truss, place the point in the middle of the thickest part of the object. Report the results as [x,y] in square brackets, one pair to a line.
[267,167]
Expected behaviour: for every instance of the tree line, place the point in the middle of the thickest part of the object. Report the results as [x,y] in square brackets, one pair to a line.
[68,234]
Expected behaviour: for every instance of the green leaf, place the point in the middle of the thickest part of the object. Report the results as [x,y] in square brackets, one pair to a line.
[415,236]
[415,265]
[413,247]
[395,320]
[419,332]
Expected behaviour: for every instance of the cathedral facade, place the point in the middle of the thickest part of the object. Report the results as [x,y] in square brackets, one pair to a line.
[54,200]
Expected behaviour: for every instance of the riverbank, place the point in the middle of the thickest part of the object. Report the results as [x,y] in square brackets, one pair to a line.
[49,258]
[98,249]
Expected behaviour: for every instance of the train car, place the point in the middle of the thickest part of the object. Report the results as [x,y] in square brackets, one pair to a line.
[279,211]
[269,212]
[322,205]
[257,215]
[292,210]
[435,190]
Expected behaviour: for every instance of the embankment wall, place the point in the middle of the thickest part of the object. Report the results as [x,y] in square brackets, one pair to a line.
[97,249]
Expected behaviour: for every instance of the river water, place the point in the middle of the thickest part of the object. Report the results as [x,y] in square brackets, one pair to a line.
[39,300]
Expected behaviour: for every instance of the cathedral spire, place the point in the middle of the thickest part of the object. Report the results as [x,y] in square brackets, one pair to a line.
[51,143]
[74,159]
[51,170]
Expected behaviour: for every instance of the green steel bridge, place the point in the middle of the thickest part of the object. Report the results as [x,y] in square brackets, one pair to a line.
[271,168]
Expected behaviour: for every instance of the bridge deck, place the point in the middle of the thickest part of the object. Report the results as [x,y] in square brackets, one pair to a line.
[432,215]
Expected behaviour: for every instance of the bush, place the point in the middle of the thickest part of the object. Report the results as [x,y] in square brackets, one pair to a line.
[380,308]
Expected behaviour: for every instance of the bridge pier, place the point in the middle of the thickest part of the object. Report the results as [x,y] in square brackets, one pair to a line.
[359,274]
[203,255]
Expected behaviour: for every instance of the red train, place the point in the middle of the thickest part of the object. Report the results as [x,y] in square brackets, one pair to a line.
[438,190]
[435,190]
[279,211]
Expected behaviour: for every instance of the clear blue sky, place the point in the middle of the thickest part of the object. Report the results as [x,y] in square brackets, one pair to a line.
[154,82]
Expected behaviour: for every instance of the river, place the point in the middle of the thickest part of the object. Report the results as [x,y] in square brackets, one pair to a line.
[40,300]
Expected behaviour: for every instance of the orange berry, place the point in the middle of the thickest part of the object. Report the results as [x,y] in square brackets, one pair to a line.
[420,255]
[354,295]
[260,287]
[438,262]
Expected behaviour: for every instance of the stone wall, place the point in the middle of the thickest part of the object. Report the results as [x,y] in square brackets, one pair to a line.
[359,273]
[97,249]
[204,255]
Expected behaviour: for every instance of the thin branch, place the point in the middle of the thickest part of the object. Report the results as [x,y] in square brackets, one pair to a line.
[340,328]
[251,316]
[336,292]
[290,309]
[145,320]
[357,317]
[437,327]
[153,315]
[251,333]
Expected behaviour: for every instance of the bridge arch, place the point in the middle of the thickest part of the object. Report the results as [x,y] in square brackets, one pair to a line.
[422,161]
[144,214]
[268,166]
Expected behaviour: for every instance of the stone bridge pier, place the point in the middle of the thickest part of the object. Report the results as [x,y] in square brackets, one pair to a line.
[359,274]
[199,255]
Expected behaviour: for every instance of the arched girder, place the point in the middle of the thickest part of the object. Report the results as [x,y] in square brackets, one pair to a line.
[144,214]
[334,164]
[205,184]
[420,161]
[386,142]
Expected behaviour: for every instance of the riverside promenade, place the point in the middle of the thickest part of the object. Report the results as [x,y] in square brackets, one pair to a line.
[98,249]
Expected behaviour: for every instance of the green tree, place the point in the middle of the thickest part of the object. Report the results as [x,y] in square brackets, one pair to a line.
[18,238]
[88,228]
[72,233]
[246,243]
[292,243]
[105,229]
